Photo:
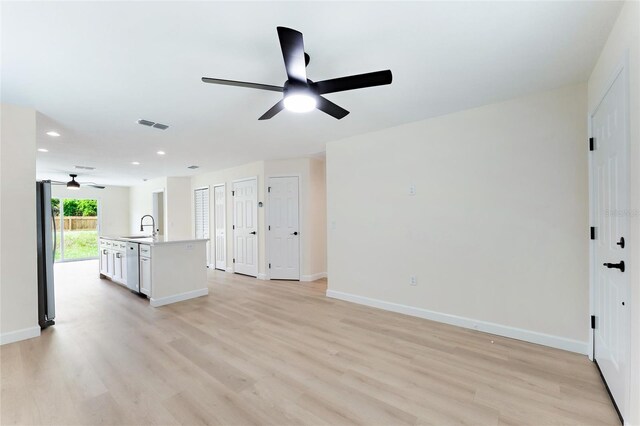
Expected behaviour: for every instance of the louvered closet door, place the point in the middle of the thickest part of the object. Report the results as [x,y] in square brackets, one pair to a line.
[201,201]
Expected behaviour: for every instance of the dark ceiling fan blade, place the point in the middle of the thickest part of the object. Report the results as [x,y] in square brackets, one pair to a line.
[330,108]
[92,184]
[273,111]
[243,84]
[359,81]
[292,47]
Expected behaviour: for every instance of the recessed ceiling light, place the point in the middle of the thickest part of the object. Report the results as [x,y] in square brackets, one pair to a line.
[135,163]
[43,150]
[161,153]
[53,134]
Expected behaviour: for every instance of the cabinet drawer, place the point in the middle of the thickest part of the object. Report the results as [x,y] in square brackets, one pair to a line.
[145,250]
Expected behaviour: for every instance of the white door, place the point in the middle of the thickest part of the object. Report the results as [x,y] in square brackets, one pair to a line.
[245,227]
[201,207]
[220,219]
[283,230]
[610,203]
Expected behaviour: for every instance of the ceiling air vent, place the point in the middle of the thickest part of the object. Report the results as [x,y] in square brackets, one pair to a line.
[193,167]
[85,167]
[153,124]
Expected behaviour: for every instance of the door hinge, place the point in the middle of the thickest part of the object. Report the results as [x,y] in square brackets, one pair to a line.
[269,189]
[593,322]
[269,227]
[233,227]
[269,266]
[592,144]
[234,260]
[592,233]
[233,193]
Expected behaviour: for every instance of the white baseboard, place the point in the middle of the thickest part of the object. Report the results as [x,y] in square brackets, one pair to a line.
[178,297]
[262,277]
[16,336]
[487,327]
[313,277]
[211,266]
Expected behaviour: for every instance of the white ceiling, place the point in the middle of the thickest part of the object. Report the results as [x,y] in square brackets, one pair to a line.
[92,69]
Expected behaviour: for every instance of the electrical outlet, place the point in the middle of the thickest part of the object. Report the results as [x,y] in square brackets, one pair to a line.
[189,246]
[413,280]
[412,189]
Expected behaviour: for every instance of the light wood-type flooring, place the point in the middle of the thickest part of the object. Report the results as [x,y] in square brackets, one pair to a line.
[278,353]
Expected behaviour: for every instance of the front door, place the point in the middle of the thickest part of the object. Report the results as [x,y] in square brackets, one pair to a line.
[610,203]
[245,227]
[284,230]
[219,217]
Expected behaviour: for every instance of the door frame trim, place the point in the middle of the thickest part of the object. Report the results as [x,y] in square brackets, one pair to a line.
[224,194]
[621,69]
[233,222]
[266,219]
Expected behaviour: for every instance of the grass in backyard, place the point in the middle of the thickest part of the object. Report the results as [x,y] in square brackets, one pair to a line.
[78,244]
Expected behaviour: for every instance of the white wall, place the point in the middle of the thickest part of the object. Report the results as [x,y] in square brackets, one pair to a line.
[18,250]
[141,203]
[178,209]
[624,40]
[318,218]
[113,204]
[497,231]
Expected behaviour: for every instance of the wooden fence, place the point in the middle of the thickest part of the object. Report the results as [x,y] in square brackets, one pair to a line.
[78,223]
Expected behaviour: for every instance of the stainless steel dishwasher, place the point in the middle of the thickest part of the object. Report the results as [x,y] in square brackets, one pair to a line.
[133,267]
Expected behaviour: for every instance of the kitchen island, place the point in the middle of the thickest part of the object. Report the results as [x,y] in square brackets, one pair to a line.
[164,270]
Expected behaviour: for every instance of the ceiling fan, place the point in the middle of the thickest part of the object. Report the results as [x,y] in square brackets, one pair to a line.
[73,184]
[301,94]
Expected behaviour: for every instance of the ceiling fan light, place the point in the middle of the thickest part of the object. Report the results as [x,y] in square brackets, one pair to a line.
[300,102]
[72,184]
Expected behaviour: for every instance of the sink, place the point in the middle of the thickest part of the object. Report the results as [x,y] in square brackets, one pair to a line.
[136,237]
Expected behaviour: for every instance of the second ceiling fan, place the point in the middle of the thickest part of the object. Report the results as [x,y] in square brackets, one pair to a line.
[301,94]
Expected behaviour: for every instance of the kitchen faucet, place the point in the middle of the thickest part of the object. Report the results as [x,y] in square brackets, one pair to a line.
[153,223]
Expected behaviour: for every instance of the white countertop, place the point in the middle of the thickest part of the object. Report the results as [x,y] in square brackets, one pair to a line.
[159,240]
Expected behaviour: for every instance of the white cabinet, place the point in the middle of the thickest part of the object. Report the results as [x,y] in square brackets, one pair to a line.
[104,253]
[113,260]
[117,266]
[145,275]
[111,264]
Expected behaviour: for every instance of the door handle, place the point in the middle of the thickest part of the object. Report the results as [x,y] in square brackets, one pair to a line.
[615,265]
[621,242]
[253,233]
[295,233]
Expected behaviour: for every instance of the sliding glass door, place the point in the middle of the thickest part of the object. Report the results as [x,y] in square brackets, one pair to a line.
[76,222]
